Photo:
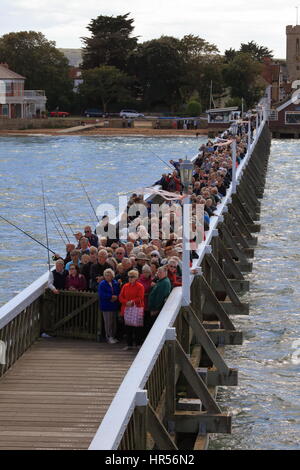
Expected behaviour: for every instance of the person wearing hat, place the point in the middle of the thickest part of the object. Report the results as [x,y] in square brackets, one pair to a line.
[141,260]
[155,256]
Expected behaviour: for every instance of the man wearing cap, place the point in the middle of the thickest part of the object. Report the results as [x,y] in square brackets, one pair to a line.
[141,260]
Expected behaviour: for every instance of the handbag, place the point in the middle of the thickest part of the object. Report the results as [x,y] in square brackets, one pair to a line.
[134,316]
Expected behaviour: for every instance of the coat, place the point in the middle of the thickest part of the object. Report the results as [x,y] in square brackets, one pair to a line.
[175,281]
[133,292]
[78,282]
[105,292]
[146,282]
[159,294]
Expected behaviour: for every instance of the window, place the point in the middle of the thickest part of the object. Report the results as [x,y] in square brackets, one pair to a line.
[292,117]
[4,110]
[9,88]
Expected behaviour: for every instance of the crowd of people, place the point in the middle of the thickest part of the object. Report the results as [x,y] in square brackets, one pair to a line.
[135,269]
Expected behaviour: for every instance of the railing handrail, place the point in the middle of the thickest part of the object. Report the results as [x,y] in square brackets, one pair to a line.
[34,92]
[109,432]
[17,304]
[113,425]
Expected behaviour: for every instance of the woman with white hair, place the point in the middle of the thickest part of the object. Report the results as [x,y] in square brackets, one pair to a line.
[132,295]
[108,292]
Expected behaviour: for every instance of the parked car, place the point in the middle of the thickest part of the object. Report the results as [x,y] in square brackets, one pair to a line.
[93,112]
[59,114]
[130,113]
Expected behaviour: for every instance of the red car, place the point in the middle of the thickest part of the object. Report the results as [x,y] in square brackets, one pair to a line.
[59,114]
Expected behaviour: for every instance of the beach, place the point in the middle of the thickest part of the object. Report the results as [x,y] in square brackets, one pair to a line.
[109,132]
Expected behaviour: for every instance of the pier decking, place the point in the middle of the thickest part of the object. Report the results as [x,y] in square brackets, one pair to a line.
[56,394]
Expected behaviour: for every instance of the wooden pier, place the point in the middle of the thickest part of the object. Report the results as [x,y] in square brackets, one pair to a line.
[169,390]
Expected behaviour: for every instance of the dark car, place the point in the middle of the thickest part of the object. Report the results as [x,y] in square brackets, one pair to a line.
[93,112]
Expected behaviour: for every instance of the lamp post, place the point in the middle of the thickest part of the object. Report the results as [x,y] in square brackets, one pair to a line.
[234,128]
[186,175]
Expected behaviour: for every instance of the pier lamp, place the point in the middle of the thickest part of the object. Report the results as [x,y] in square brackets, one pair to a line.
[186,175]
[234,129]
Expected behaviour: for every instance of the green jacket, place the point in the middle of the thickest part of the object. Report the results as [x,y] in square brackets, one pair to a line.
[159,293]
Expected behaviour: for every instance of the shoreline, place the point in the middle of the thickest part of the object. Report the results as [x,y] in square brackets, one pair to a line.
[108,132]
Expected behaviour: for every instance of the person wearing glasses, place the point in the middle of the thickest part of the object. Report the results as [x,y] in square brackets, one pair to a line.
[172,273]
[132,294]
[92,238]
[75,281]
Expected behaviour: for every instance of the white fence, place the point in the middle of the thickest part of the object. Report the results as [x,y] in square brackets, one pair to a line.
[131,391]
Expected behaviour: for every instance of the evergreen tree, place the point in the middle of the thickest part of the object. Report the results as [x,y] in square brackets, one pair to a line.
[110,42]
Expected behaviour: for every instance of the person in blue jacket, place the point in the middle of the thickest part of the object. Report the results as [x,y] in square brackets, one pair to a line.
[108,291]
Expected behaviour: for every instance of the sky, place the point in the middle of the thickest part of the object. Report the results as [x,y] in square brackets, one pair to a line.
[226,23]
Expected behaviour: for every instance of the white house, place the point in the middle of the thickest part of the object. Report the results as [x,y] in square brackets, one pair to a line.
[15,102]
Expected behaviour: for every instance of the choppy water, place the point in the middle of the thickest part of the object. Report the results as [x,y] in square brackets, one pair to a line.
[265,406]
[106,166]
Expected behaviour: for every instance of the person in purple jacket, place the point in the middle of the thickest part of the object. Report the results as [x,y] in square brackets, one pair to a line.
[108,291]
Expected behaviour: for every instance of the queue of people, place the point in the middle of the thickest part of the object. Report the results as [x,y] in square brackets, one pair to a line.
[135,269]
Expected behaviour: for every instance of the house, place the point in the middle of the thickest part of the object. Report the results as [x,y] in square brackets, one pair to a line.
[15,102]
[74,57]
[284,120]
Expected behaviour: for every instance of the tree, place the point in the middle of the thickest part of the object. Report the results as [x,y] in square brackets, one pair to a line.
[160,70]
[30,54]
[104,85]
[229,55]
[111,42]
[257,52]
[242,75]
[194,48]
[203,65]
[193,108]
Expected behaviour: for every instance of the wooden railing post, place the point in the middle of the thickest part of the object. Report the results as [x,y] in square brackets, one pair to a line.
[171,379]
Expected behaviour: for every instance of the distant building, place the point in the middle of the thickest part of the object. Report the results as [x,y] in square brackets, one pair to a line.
[74,57]
[293,52]
[15,102]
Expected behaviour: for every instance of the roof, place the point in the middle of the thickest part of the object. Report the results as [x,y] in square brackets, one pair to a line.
[222,110]
[6,73]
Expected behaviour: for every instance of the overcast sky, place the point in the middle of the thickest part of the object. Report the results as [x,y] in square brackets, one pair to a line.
[225,23]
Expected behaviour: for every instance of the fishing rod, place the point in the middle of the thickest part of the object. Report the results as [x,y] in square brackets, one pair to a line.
[89,201]
[59,233]
[27,234]
[163,161]
[45,220]
[65,219]
[60,224]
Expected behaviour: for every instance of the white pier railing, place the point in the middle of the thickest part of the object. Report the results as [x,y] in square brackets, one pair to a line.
[114,423]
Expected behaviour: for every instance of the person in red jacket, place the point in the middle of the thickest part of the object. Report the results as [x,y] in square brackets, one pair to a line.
[132,293]
[75,280]
[172,273]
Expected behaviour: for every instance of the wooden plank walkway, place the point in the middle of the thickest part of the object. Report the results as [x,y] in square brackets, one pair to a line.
[56,394]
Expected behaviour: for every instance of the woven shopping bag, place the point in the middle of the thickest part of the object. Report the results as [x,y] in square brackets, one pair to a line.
[134,316]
